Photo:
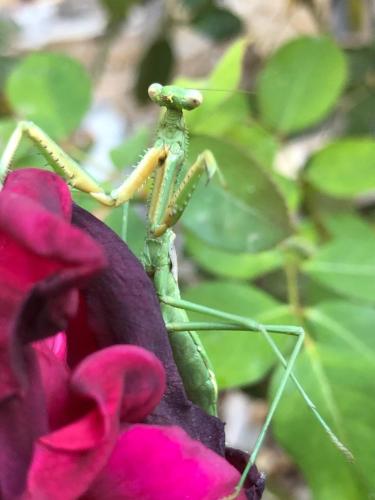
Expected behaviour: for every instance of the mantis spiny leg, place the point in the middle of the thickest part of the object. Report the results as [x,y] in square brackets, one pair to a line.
[72,172]
[154,157]
[179,200]
[56,157]
[234,322]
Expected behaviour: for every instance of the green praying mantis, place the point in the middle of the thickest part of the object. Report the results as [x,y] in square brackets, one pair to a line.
[170,195]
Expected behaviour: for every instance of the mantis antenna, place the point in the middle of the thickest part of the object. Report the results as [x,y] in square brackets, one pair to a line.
[229,91]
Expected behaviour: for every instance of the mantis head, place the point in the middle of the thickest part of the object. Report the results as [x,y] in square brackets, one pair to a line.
[173,97]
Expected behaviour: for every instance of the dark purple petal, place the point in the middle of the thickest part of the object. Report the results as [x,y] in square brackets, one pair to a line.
[121,307]
[23,418]
[255,481]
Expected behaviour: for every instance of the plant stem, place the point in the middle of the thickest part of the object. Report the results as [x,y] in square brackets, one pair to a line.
[291,273]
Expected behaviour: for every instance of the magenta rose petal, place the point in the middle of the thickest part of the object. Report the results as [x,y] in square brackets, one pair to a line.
[120,381]
[43,257]
[152,462]
[42,261]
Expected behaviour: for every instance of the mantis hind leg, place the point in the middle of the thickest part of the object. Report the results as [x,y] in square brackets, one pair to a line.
[234,322]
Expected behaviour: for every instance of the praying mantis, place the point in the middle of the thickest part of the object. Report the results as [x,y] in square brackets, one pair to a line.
[169,197]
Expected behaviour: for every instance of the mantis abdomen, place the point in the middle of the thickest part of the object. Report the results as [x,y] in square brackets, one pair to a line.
[190,356]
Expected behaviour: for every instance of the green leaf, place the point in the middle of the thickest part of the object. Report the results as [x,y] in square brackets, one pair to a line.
[290,190]
[87,202]
[301,83]
[7,126]
[117,10]
[337,371]
[8,31]
[226,75]
[53,90]
[230,265]
[344,168]
[346,326]
[136,231]
[129,153]
[6,65]
[196,4]
[233,110]
[238,358]
[261,146]
[257,142]
[247,215]
[156,65]
[347,223]
[218,23]
[347,265]
[359,118]
[361,61]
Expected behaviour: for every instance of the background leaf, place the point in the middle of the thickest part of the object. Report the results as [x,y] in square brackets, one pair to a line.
[130,151]
[218,23]
[344,168]
[257,142]
[238,357]
[347,265]
[226,75]
[52,90]
[136,230]
[232,265]
[196,4]
[301,83]
[341,384]
[117,10]
[156,66]
[248,215]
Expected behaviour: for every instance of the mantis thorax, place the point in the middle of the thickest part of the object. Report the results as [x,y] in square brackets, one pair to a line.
[172,132]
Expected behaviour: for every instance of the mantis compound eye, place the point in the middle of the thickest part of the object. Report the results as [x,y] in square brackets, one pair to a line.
[193,99]
[173,97]
[154,91]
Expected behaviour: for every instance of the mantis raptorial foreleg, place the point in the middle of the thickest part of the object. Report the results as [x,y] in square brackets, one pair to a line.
[178,202]
[72,172]
[153,158]
[55,156]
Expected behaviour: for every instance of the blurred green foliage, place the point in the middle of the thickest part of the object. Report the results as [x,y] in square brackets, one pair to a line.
[279,249]
[52,90]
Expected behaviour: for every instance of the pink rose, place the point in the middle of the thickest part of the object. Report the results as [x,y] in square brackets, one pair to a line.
[88,412]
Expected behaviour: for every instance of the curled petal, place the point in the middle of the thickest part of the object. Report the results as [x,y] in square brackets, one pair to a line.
[43,257]
[45,188]
[119,379]
[56,345]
